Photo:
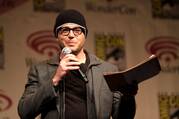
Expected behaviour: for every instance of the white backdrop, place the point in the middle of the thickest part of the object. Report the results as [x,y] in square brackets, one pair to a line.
[131,18]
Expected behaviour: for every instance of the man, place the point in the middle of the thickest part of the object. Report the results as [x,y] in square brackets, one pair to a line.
[57,90]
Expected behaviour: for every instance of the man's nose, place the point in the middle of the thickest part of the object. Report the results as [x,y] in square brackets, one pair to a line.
[71,34]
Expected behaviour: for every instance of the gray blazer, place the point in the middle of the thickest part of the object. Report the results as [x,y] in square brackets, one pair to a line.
[40,97]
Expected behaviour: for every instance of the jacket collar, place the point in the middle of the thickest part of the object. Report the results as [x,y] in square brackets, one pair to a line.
[54,60]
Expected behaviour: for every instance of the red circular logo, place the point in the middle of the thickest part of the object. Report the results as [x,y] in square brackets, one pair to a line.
[5,101]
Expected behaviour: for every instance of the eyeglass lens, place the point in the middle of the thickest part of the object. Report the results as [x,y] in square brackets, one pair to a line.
[76,31]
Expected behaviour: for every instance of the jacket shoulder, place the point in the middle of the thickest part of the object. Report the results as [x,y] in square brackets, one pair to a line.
[103,65]
[108,67]
[43,67]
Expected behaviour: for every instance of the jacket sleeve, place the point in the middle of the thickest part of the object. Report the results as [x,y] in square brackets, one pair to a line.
[38,94]
[127,107]
[124,106]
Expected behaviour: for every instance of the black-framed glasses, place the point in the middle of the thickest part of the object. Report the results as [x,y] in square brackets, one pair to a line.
[76,31]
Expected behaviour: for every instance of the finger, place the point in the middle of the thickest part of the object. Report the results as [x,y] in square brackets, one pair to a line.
[66,68]
[73,63]
[72,68]
[70,57]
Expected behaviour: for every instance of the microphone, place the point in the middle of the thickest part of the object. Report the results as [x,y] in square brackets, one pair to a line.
[67,50]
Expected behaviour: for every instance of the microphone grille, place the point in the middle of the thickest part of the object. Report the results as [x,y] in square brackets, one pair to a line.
[66,50]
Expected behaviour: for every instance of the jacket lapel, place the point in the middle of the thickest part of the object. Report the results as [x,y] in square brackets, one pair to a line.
[94,82]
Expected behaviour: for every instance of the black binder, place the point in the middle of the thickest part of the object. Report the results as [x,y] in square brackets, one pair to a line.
[136,74]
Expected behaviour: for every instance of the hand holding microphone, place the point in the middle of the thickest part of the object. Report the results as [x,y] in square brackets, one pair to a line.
[67,51]
[68,61]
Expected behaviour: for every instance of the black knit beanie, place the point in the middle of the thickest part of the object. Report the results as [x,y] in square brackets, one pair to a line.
[69,16]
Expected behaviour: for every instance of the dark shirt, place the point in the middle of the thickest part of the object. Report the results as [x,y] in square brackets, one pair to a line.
[75,94]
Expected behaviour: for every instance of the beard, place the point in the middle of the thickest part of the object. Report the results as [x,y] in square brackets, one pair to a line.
[77,51]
